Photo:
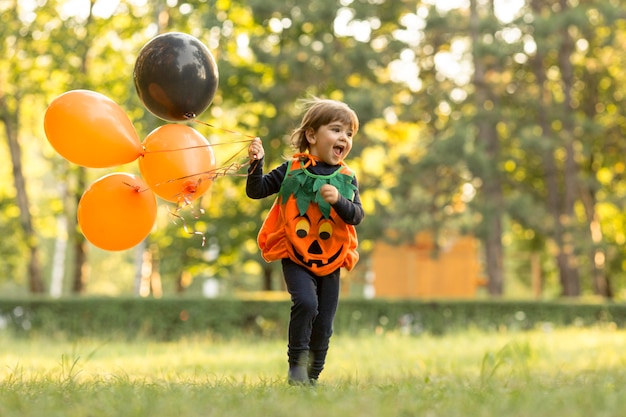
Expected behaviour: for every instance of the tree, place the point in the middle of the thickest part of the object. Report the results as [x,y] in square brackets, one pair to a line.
[506,128]
[487,103]
[13,89]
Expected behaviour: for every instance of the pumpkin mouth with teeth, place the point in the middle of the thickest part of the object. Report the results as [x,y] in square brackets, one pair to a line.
[317,262]
[316,242]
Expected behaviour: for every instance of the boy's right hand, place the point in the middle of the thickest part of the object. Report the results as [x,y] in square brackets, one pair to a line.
[255,150]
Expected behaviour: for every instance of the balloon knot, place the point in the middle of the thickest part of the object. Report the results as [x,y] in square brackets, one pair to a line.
[190,115]
[134,187]
[190,187]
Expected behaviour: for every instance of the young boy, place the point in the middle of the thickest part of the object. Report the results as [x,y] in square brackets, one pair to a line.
[310,227]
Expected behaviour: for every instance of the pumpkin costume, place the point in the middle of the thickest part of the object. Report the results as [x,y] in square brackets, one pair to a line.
[303,227]
[313,240]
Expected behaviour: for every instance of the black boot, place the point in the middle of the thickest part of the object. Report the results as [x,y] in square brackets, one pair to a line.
[298,373]
[317,359]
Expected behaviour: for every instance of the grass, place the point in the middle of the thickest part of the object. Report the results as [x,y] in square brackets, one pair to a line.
[568,372]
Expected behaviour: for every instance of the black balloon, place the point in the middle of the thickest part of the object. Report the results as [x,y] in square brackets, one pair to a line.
[175,76]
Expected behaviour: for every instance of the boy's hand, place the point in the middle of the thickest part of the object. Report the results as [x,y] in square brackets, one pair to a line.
[255,150]
[329,193]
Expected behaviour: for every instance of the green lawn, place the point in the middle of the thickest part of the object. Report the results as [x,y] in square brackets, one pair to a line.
[545,372]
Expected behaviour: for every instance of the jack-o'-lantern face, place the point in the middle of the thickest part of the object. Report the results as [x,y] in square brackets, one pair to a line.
[317,242]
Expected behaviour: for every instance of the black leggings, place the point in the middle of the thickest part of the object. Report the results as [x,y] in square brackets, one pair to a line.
[313,306]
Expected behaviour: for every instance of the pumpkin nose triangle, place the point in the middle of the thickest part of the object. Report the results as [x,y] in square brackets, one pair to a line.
[315,248]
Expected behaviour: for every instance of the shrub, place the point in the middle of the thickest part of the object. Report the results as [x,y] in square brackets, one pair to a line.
[173,318]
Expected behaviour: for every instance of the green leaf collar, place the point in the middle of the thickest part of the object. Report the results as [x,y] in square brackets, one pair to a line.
[305,187]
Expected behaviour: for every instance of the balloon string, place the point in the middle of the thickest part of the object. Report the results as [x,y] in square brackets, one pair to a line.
[184,221]
[225,130]
[229,168]
[185,202]
[253,165]
[145,151]
[239,166]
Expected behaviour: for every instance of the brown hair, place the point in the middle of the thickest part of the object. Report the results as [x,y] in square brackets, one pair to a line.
[320,112]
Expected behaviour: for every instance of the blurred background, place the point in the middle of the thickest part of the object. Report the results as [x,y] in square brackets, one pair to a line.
[489,159]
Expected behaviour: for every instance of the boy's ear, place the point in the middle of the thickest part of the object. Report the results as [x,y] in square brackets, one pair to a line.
[310,135]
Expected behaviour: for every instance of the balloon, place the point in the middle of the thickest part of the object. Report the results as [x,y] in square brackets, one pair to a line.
[90,129]
[175,76]
[117,211]
[178,163]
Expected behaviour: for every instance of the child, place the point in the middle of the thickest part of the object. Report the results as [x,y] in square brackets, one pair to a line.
[310,227]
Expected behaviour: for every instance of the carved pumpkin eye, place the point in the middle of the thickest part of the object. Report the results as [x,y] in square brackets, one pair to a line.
[302,228]
[326,230]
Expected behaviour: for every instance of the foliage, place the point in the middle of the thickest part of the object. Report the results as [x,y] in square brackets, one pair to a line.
[11,246]
[176,318]
[550,94]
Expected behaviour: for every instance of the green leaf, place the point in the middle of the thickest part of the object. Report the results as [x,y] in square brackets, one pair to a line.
[318,184]
[301,177]
[325,209]
[289,187]
[303,203]
[344,185]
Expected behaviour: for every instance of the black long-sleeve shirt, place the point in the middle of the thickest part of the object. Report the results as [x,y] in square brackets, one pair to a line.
[259,186]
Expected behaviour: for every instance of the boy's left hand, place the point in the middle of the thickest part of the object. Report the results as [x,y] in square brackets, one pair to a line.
[329,193]
[255,150]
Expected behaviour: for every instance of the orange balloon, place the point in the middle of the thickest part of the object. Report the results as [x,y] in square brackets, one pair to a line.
[90,129]
[117,211]
[177,163]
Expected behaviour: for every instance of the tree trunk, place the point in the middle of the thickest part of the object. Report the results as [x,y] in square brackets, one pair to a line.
[535,274]
[81,267]
[10,118]
[492,188]
[81,256]
[156,285]
[267,278]
[597,255]
[58,257]
[559,193]
[570,279]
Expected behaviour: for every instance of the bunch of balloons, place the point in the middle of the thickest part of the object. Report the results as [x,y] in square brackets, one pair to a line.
[176,78]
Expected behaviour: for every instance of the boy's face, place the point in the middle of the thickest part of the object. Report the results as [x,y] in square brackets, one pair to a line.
[331,143]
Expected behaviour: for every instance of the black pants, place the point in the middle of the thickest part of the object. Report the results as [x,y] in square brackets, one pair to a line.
[313,306]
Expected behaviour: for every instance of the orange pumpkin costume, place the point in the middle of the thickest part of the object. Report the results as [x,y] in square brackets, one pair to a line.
[303,227]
